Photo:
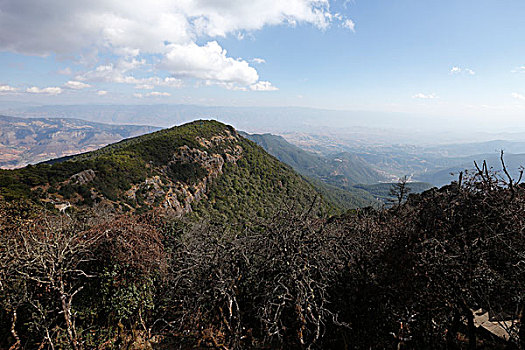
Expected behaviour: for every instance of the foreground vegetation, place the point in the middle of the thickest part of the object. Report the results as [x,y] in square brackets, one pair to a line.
[410,277]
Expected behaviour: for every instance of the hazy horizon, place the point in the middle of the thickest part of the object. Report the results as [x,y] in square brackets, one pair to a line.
[457,62]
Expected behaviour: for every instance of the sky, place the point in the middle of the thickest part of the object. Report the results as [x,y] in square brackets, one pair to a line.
[458,58]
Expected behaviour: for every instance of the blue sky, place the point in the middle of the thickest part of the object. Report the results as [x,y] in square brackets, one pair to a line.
[452,58]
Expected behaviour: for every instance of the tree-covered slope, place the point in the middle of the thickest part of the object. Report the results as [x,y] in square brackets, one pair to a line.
[203,165]
[342,169]
[383,191]
[338,177]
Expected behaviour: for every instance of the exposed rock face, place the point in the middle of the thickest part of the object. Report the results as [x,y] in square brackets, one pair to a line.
[218,140]
[176,197]
[83,177]
[211,162]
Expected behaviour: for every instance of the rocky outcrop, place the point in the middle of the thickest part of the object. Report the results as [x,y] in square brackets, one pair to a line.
[211,162]
[82,177]
[176,197]
[218,139]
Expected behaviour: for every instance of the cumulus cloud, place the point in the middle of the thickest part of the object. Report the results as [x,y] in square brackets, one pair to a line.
[76,85]
[208,62]
[169,30]
[425,96]
[120,72]
[102,92]
[518,96]
[519,70]
[218,18]
[44,91]
[113,72]
[6,89]
[258,60]
[263,86]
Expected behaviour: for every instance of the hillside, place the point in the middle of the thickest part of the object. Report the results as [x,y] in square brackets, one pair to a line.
[172,170]
[334,176]
[28,141]
[342,169]
[383,191]
[344,178]
[514,164]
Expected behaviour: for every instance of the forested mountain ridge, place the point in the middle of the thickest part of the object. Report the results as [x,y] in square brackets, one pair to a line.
[172,170]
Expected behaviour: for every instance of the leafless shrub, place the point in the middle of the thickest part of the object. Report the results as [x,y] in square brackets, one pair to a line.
[44,268]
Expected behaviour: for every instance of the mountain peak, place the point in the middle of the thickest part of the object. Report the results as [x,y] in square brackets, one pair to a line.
[172,170]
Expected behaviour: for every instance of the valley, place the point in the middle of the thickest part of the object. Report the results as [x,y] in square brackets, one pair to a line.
[29,141]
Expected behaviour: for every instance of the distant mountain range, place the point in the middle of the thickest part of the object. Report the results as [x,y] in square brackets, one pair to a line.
[513,162]
[28,141]
[363,126]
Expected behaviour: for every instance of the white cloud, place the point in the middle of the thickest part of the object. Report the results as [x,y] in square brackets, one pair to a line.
[258,60]
[208,62]
[120,73]
[113,72]
[45,91]
[425,96]
[145,87]
[459,70]
[518,96]
[218,18]
[133,29]
[76,85]
[519,70]
[168,82]
[227,86]
[348,23]
[152,94]
[263,86]
[158,94]
[102,92]
[65,71]
[6,89]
